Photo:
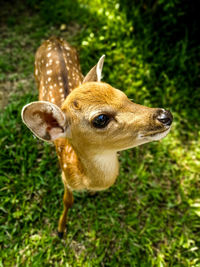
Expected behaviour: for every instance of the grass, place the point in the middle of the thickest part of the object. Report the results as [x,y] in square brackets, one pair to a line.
[150,217]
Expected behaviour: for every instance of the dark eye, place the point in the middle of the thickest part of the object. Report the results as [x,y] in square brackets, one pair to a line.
[101,121]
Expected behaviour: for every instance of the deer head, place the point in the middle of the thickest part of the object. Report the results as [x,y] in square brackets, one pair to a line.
[96,116]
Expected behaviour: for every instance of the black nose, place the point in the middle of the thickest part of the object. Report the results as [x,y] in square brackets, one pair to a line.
[165,117]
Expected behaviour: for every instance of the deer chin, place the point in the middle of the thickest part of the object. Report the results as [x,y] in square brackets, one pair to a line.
[155,136]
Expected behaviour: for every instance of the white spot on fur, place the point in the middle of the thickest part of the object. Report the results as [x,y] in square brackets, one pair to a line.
[49,72]
[67,149]
[49,54]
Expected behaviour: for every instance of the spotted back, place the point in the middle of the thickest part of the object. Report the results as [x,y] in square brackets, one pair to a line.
[57,70]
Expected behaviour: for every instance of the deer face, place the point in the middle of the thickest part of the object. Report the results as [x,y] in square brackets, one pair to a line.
[101,117]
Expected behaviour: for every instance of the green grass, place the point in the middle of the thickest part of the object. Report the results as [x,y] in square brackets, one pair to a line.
[151,216]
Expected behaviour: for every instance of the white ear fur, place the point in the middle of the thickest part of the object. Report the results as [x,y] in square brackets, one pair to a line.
[46,120]
[100,67]
[94,75]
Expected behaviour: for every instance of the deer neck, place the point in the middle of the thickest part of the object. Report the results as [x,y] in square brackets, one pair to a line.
[101,168]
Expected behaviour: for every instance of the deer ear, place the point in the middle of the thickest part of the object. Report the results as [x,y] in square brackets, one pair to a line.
[94,75]
[46,120]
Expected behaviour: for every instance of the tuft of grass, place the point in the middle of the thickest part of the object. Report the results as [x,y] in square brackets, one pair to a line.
[150,217]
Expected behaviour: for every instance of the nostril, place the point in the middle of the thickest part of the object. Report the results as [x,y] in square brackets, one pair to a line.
[165,117]
[166,121]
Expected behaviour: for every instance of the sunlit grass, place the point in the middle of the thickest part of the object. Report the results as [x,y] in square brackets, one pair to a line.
[150,217]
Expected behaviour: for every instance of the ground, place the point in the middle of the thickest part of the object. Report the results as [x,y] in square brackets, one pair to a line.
[150,217]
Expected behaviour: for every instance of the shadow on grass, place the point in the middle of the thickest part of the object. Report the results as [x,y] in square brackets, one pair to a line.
[168,36]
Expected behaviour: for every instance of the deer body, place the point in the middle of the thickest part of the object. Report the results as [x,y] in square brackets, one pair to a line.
[57,70]
[87,120]
[57,73]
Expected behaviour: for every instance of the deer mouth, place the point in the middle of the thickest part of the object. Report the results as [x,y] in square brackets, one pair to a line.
[156,135]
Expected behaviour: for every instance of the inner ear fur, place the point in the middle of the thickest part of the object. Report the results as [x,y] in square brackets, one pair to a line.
[46,120]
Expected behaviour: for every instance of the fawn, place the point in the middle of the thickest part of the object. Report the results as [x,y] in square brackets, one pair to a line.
[87,120]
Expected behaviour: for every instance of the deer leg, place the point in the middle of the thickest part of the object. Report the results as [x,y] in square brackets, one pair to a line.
[68,201]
